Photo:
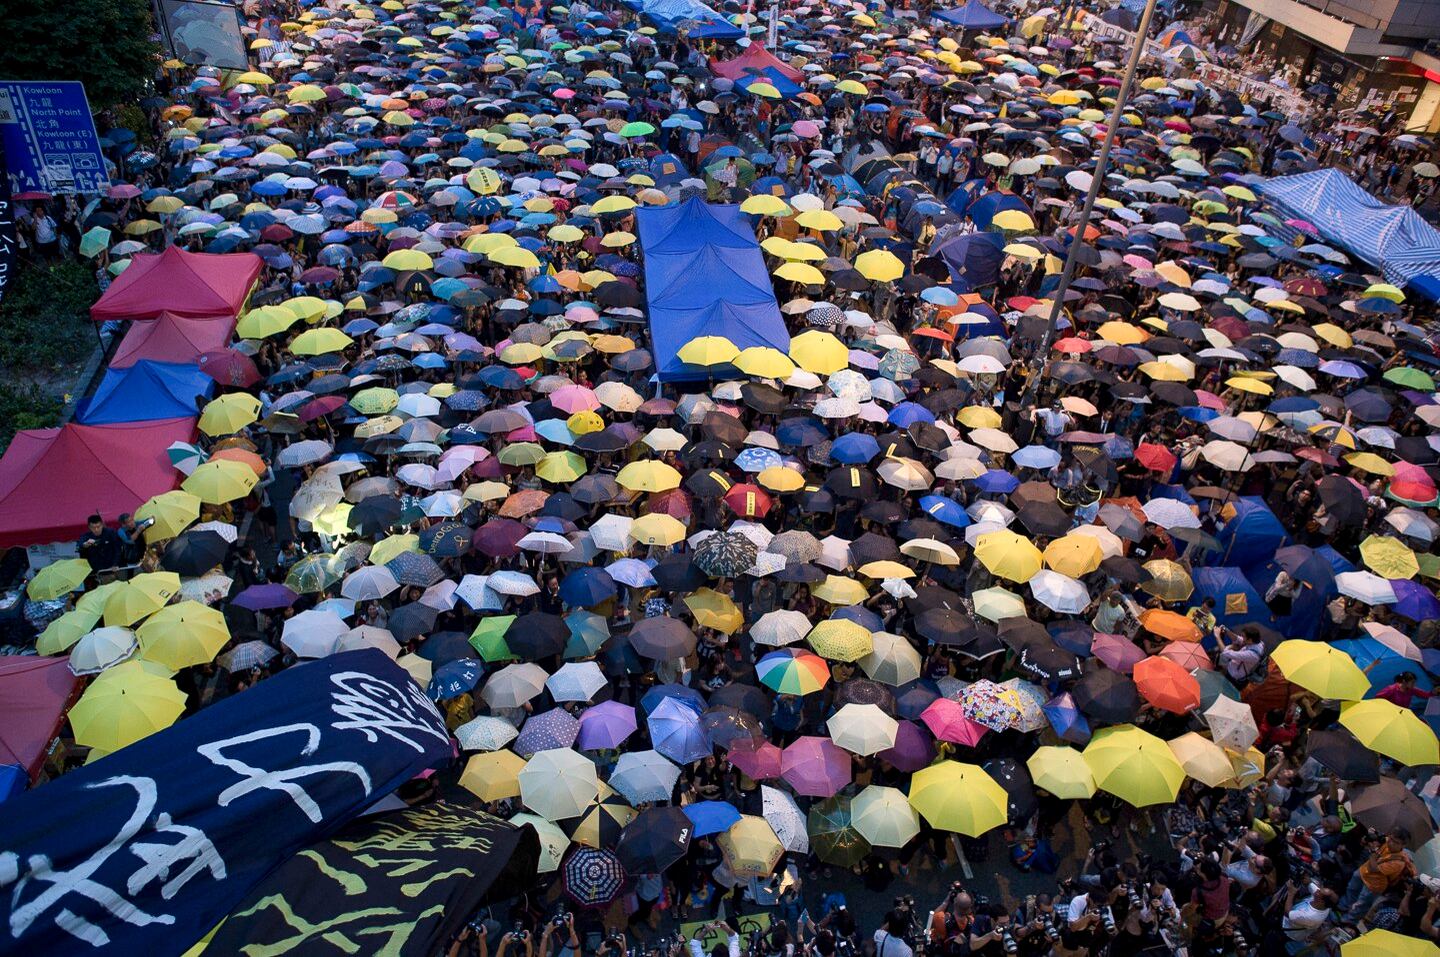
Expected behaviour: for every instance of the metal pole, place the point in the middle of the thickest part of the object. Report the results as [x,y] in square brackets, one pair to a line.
[1102,160]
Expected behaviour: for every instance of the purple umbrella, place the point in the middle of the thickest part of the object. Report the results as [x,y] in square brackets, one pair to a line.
[606,725]
[815,766]
[556,728]
[1414,600]
[913,748]
[676,733]
[499,538]
[262,597]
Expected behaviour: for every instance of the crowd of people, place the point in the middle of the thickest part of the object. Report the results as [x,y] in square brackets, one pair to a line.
[847,605]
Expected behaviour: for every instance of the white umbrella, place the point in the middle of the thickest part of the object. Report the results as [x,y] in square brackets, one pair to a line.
[611,532]
[368,636]
[784,817]
[1367,587]
[1227,455]
[513,685]
[546,543]
[1232,723]
[1170,513]
[1059,592]
[313,634]
[862,728]
[474,591]
[515,584]
[559,783]
[644,776]
[884,817]
[1412,524]
[576,681]
[485,733]
[369,583]
[780,628]
[892,660]
[102,648]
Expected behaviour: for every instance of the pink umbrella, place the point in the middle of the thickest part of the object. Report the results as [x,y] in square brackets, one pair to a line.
[815,766]
[947,722]
[805,128]
[756,758]
[1189,655]
[1118,652]
[574,398]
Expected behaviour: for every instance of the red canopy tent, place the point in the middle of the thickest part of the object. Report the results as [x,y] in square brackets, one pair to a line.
[52,480]
[34,695]
[172,338]
[755,59]
[195,285]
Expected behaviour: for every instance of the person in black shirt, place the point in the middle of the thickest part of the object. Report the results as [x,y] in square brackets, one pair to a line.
[100,546]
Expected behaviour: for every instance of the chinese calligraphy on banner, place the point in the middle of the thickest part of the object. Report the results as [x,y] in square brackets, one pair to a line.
[144,851]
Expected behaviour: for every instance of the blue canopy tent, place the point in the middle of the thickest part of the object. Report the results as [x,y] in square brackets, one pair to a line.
[974,257]
[705,276]
[985,208]
[973,16]
[1252,535]
[1237,602]
[144,392]
[1393,239]
[786,87]
[702,22]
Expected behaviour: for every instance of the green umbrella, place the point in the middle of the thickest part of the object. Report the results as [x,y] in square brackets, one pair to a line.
[488,638]
[95,241]
[636,129]
[832,837]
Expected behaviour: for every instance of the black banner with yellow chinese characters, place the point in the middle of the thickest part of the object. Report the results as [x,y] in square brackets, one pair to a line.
[399,885]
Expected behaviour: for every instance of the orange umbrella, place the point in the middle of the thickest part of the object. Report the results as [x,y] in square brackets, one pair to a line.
[1167,685]
[1170,625]
[244,457]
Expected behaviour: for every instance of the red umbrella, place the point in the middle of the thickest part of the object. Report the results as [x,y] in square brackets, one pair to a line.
[815,766]
[1167,685]
[228,367]
[748,501]
[946,721]
[1156,458]
[674,502]
[757,758]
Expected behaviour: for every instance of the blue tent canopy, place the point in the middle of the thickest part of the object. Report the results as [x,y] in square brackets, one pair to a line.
[985,208]
[1394,239]
[1253,534]
[973,16]
[704,22]
[974,257]
[146,391]
[787,87]
[1237,602]
[705,276]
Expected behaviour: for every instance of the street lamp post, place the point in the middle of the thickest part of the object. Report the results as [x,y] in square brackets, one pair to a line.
[1102,160]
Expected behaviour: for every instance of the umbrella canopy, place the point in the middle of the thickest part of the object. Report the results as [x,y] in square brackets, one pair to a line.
[953,796]
[1134,765]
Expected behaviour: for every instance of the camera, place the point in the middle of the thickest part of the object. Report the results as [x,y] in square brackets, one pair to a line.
[1008,941]
[1108,919]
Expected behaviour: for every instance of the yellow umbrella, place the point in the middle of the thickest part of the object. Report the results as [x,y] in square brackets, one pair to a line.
[1388,557]
[65,631]
[561,467]
[519,353]
[750,847]
[229,413]
[178,636]
[1322,669]
[648,475]
[1370,462]
[265,321]
[954,796]
[1202,759]
[309,308]
[708,351]
[1121,333]
[801,273]
[1062,771]
[613,204]
[1387,943]
[819,352]
[165,205]
[517,256]
[979,417]
[883,816]
[780,478]
[765,204]
[1391,730]
[1014,220]
[1134,765]
[840,639]
[763,362]
[493,776]
[820,219]
[1074,555]
[486,243]
[714,610]
[140,596]
[1385,291]
[220,480]
[657,529]
[408,260]
[376,400]
[319,342]
[879,265]
[58,578]
[1008,555]
[388,548]
[1169,581]
[124,704]
[839,590]
[173,512]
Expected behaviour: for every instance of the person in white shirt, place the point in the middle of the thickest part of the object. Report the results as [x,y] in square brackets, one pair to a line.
[1302,920]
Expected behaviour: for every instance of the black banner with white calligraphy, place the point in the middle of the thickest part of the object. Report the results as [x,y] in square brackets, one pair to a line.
[400,885]
[146,850]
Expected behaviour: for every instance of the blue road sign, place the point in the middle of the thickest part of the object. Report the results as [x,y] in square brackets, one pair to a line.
[50,140]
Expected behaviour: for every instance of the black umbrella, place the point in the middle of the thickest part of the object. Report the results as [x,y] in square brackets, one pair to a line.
[1045,518]
[1342,499]
[725,555]
[1019,788]
[912,698]
[446,646]
[1341,752]
[195,552]
[593,877]
[448,539]
[865,691]
[723,427]
[1390,805]
[852,482]
[742,697]
[724,726]
[537,634]
[411,568]
[708,483]
[411,621]
[1046,660]
[375,513]
[657,838]
[873,547]
[1107,696]
[597,488]
[677,573]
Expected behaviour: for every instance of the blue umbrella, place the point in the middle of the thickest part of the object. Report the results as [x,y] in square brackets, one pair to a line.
[908,413]
[1381,663]
[660,693]
[854,448]
[585,587]
[945,510]
[756,459]
[1036,457]
[676,732]
[556,728]
[711,817]
[455,678]
[996,480]
[1066,719]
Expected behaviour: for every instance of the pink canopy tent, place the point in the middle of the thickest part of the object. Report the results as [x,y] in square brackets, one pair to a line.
[52,480]
[755,59]
[34,695]
[194,285]
[172,338]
